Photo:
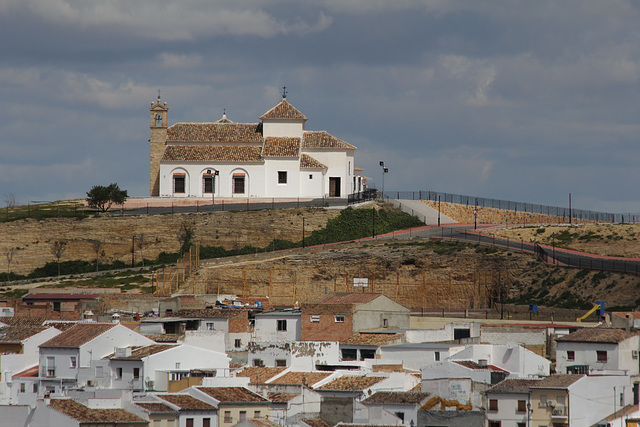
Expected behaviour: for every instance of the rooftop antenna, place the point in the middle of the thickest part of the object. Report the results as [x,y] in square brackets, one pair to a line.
[284,92]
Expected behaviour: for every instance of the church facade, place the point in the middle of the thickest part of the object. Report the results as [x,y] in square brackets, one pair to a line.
[275,157]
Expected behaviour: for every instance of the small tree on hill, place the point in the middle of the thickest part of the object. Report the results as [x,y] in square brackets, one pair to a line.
[102,198]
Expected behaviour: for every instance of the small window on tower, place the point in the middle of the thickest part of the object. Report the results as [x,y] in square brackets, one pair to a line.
[158,120]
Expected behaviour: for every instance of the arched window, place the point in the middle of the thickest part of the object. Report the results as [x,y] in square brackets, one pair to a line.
[158,120]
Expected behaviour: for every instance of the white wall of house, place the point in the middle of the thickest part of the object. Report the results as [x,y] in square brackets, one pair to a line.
[378,415]
[449,369]
[123,376]
[504,336]
[305,355]
[372,315]
[210,340]
[619,356]
[272,167]
[11,364]
[445,334]
[312,183]
[254,179]
[59,361]
[519,361]
[269,327]
[339,164]
[418,356]
[108,341]
[591,398]
[507,412]
[43,416]
[182,358]
[280,127]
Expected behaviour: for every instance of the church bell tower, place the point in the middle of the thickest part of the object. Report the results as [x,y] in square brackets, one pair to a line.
[158,139]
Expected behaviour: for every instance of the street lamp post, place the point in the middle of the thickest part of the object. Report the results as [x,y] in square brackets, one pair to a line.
[384,170]
[213,187]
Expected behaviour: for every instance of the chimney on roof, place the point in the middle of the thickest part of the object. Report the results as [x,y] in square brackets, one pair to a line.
[482,363]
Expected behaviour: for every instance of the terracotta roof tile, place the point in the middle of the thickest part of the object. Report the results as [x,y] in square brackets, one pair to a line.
[301,378]
[281,397]
[17,334]
[515,385]
[316,422]
[30,372]
[220,153]
[348,382]
[558,381]
[165,338]
[263,422]
[186,402]
[388,368]
[396,397]
[308,162]
[210,313]
[623,314]
[156,407]
[232,394]
[143,351]
[260,375]
[283,111]
[601,335]
[23,321]
[281,147]
[323,139]
[219,132]
[372,339]
[82,413]
[475,365]
[80,334]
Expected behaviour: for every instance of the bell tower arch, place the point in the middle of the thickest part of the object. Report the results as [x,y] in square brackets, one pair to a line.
[158,139]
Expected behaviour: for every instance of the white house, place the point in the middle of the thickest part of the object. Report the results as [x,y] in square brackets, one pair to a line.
[276,157]
[599,349]
[65,361]
[418,356]
[402,405]
[508,402]
[298,355]
[19,345]
[151,367]
[277,326]
[514,359]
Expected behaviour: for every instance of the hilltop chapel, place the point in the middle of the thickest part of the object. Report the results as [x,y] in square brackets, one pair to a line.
[274,158]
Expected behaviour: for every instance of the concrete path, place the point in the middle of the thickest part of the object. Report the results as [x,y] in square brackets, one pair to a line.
[422,211]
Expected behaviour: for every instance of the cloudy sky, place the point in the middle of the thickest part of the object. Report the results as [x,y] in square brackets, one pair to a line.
[518,100]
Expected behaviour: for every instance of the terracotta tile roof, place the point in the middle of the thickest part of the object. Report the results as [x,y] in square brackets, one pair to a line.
[283,111]
[416,388]
[164,338]
[308,162]
[349,298]
[372,339]
[513,386]
[31,372]
[601,335]
[58,297]
[323,139]
[558,381]
[210,313]
[260,375]
[263,422]
[388,368]
[139,352]
[219,132]
[80,334]
[281,147]
[396,397]
[316,422]
[348,382]
[17,334]
[474,365]
[80,412]
[301,378]
[220,153]
[61,326]
[156,407]
[232,394]
[186,402]
[281,397]
[23,321]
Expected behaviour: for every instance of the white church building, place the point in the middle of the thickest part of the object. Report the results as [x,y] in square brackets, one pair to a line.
[276,157]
